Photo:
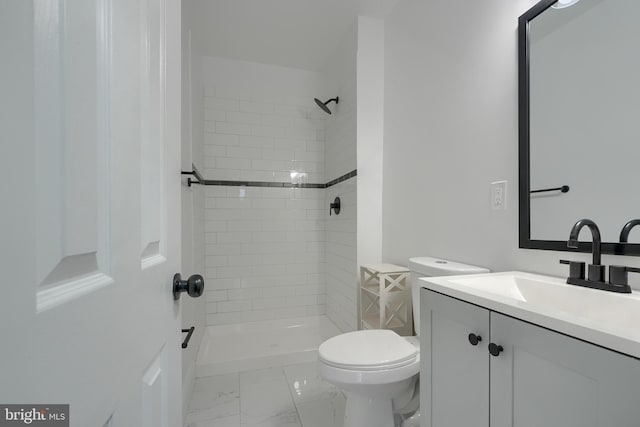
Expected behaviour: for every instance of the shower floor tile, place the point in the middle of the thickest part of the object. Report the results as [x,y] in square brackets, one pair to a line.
[290,396]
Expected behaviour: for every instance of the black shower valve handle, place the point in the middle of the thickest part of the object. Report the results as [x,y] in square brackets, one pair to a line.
[335,206]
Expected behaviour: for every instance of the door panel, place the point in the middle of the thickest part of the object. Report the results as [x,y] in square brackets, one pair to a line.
[152,119]
[71,108]
[454,374]
[155,393]
[543,378]
[90,231]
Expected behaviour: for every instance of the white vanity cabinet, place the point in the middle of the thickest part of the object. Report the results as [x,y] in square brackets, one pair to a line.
[454,375]
[541,378]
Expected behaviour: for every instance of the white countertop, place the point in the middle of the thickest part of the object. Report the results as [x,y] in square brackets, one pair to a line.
[604,318]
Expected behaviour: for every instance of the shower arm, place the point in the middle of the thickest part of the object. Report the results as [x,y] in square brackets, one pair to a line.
[323,105]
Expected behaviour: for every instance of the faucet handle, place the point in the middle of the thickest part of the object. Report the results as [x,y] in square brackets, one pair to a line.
[618,275]
[576,268]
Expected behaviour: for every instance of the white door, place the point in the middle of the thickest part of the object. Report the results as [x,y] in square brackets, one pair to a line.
[89,154]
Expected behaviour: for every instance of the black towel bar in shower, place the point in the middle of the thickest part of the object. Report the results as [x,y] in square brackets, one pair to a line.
[563,189]
[196,173]
[190,182]
[185,343]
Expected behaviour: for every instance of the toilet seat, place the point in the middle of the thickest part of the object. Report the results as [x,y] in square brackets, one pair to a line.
[368,350]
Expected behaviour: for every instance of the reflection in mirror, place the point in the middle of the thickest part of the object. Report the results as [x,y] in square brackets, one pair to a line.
[584,109]
[561,4]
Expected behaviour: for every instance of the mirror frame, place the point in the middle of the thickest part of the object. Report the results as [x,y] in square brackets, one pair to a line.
[525,241]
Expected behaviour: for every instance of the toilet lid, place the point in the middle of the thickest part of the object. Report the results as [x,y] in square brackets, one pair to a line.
[367,350]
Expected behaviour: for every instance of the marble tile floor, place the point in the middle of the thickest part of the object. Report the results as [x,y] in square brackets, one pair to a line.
[290,396]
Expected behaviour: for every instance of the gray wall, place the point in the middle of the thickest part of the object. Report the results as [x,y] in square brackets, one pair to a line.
[340,158]
[450,130]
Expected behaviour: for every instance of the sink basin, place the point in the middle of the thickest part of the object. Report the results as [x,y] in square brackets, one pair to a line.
[555,293]
[609,319]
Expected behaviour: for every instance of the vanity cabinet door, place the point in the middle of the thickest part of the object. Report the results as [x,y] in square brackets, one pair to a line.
[544,378]
[454,373]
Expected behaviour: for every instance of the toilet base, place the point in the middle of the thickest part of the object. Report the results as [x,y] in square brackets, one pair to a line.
[368,411]
[372,405]
[412,421]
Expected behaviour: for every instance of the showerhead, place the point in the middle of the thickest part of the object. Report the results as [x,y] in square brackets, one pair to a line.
[323,105]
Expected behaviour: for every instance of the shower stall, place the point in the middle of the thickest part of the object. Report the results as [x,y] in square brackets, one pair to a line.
[271,161]
[280,271]
[280,265]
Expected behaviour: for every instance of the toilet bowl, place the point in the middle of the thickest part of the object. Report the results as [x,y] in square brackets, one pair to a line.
[378,369]
[374,368]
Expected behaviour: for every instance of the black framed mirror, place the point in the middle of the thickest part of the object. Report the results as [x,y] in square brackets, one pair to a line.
[579,103]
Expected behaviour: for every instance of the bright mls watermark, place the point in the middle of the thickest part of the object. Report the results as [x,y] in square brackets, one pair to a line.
[34,415]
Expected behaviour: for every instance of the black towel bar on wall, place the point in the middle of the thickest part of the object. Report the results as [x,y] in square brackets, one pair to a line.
[196,173]
[270,184]
[190,182]
[563,189]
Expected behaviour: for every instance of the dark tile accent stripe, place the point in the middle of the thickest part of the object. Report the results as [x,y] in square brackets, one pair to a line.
[267,183]
[342,178]
[260,184]
[197,173]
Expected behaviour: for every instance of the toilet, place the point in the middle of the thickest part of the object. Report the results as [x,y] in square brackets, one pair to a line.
[378,369]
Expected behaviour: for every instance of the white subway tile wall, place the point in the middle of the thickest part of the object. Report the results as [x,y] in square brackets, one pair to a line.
[265,253]
[266,146]
[254,131]
[341,129]
[340,158]
[198,229]
[266,248]
[340,149]
[342,280]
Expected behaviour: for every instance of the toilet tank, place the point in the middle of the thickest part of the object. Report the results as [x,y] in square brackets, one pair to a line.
[432,267]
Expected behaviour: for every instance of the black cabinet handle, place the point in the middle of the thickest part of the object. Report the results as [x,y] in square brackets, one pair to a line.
[474,339]
[495,349]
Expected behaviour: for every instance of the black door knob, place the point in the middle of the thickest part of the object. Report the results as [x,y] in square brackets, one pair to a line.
[474,339]
[194,286]
[495,349]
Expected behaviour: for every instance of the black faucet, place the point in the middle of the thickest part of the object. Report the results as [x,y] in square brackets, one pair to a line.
[595,233]
[595,277]
[624,234]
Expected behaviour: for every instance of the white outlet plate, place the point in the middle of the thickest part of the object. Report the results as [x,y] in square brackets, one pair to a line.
[499,195]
